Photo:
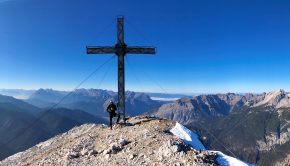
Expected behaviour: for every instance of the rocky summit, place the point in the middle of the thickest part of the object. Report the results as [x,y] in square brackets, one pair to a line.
[141,141]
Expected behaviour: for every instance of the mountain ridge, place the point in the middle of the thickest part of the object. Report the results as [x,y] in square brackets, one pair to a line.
[253,126]
[21,126]
[142,140]
[218,105]
[93,101]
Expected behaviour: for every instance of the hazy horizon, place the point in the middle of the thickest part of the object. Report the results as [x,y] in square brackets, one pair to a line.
[178,93]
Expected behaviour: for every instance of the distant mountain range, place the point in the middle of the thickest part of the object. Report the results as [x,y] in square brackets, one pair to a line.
[20,121]
[93,101]
[20,124]
[25,94]
[255,127]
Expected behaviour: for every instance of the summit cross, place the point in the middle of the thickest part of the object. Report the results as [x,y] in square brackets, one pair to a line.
[121,49]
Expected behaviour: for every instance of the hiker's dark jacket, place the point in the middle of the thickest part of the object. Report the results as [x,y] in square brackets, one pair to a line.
[112,108]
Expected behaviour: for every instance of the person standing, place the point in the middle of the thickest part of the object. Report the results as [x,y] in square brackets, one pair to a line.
[111,109]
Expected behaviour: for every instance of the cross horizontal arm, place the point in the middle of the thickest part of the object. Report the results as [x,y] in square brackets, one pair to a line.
[140,50]
[100,50]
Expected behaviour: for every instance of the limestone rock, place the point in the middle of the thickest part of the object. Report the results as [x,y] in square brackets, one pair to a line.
[141,141]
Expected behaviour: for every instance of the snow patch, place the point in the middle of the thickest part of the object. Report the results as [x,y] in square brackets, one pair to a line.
[191,138]
[187,136]
[226,160]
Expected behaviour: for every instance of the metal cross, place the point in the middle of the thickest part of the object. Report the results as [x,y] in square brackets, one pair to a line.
[120,49]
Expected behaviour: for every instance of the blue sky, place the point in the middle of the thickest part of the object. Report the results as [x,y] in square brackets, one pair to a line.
[204,46]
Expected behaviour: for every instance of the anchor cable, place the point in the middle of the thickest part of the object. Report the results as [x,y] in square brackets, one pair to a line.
[60,101]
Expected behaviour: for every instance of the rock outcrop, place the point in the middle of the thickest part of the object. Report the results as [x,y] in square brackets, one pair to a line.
[277,99]
[141,141]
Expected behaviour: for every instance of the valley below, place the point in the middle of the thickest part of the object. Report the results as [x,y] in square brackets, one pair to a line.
[254,128]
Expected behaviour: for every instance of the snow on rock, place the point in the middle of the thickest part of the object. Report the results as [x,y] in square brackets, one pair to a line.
[142,140]
[191,138]
[226,160]
[187,136]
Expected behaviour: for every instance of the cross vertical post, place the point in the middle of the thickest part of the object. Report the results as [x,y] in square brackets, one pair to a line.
[120,49]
